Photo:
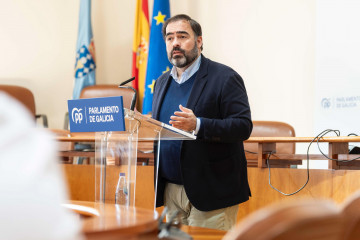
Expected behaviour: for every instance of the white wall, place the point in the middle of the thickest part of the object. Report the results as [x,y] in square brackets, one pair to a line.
[38,40]
[270,43]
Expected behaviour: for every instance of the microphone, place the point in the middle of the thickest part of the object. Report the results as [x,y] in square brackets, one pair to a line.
[127,81]
[133,100]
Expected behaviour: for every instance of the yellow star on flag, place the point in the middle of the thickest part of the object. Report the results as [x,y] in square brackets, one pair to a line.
[160,18]
[151,86]
[167,69]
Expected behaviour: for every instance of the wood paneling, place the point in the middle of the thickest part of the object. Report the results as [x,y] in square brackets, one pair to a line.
[330,184]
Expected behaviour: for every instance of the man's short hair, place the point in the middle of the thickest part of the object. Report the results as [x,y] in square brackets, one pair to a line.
[195,26]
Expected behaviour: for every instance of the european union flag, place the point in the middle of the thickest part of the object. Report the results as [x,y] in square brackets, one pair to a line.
[85,51]
[158,62]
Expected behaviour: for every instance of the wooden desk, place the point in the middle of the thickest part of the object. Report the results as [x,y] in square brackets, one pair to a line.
[338,149]
[110,221]
[324,183]
[199,233]
[67,141]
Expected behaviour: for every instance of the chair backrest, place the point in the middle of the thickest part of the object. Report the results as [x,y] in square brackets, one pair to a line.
[107,90]
[351,214]
[22,94]
[272,129]
[295,220]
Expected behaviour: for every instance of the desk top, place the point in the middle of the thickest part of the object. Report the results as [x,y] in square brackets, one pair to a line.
[66,136]
[110,221]
[302,139]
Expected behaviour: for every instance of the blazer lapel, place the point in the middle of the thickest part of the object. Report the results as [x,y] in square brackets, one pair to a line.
[199,83]
[162,91]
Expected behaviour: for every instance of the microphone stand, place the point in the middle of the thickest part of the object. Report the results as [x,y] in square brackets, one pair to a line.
[133,100]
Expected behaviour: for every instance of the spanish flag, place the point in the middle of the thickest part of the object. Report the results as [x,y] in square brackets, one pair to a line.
[158,60]
[140,48]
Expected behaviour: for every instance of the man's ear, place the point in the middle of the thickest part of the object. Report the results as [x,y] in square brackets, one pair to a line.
[199,41]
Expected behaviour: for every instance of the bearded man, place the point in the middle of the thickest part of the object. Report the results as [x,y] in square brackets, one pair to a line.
[205,179]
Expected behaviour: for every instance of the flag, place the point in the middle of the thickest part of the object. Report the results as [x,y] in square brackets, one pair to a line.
[85,51]
[158,62]
[140,47]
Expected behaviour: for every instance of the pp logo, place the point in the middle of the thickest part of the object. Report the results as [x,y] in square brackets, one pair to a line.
[325,103]
[76,115]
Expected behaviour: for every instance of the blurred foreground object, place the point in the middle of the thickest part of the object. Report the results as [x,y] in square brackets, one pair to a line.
[31,183]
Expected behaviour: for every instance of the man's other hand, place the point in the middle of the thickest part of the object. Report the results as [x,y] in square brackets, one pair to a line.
[184,119]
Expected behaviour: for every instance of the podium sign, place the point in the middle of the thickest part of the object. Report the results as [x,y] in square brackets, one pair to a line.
[96,114]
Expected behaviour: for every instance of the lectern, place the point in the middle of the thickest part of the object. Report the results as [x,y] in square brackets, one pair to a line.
[121,147]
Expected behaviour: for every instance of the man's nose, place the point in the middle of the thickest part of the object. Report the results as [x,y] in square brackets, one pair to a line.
[176,42]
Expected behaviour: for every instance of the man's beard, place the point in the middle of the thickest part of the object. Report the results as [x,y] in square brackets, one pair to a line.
[186,59]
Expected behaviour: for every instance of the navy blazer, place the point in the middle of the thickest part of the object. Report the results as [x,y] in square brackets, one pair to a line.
[213,166]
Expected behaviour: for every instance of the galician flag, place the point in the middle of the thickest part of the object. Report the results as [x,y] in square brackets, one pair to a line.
[140,47]
[85,51]
[158,62]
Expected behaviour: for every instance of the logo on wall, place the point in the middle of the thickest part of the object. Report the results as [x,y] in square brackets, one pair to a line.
[325,103]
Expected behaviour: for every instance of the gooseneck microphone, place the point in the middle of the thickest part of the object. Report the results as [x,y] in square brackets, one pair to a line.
[133,100]
[127,81]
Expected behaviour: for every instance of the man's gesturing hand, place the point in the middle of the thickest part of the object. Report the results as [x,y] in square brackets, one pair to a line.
[184,120]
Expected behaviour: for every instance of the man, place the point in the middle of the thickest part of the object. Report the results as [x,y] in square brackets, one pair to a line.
[204,179]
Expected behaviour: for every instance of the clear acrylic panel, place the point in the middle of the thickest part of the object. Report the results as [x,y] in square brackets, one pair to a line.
[149,128]
[118,151]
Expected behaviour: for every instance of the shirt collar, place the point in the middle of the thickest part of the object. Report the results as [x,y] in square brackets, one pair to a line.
[187,73]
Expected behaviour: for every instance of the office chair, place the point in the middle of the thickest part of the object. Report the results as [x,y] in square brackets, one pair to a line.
[96,91]
[296,220]
[351,213]
[26,97]
[270,129]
